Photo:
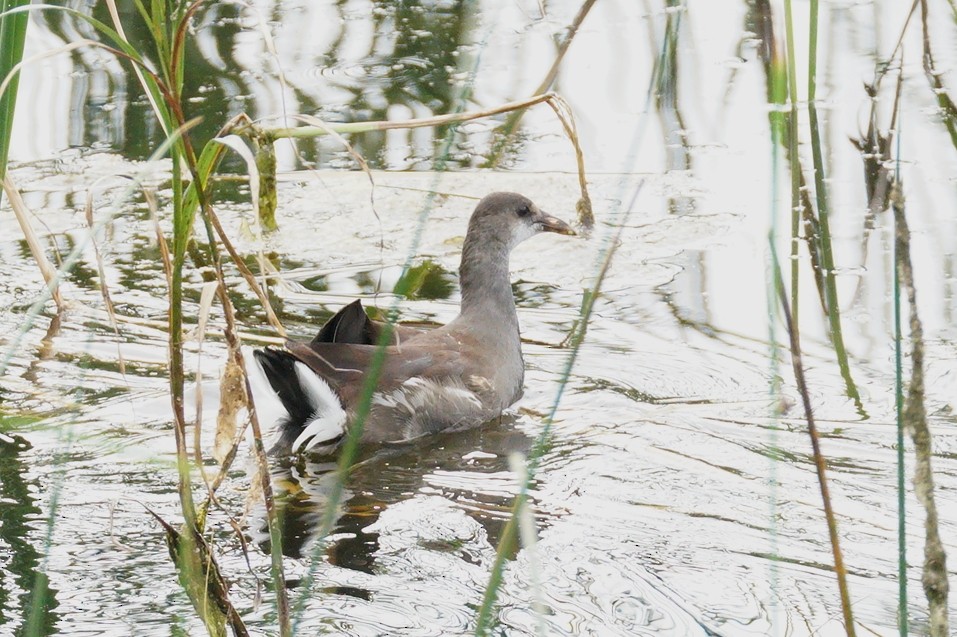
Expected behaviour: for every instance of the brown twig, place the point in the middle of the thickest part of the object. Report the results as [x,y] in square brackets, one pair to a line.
[819,461]
[22,214]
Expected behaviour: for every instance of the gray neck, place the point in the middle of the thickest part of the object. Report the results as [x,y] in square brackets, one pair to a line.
[488,314]
[486,288]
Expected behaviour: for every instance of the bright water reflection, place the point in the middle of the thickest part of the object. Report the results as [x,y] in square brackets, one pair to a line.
[656,508]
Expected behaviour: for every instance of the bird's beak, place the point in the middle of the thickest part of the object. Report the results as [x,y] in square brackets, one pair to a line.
[548,223]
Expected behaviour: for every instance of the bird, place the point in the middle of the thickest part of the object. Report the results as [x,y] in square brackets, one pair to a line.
[446,379]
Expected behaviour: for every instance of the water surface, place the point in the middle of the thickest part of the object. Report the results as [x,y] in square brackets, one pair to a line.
[671,500]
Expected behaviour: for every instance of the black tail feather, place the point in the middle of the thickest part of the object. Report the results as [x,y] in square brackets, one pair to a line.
[279,369]
[351,324]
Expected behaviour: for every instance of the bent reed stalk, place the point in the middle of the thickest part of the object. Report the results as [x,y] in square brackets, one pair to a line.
[263,137]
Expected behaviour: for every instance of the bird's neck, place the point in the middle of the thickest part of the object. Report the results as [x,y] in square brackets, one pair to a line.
[486,288]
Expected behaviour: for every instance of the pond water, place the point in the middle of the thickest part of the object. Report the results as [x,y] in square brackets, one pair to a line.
[671,499]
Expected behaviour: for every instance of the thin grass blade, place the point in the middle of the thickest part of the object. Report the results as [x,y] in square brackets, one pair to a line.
[13,33]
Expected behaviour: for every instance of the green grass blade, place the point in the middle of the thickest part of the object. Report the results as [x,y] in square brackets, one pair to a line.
[123,49]
[507,542]
[13,32]
[823,213]
[793,154]
[777,95]
[208,161]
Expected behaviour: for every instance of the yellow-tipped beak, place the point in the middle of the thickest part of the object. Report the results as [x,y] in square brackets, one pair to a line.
[549,223]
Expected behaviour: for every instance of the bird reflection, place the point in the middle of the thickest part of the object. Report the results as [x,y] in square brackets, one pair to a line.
[384,476]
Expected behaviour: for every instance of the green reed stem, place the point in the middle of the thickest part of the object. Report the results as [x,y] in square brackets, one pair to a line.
[793,154]
[168,24]
[777,82]
[824,229]
[13,33]
[507,544]
[827,262]
[509,538]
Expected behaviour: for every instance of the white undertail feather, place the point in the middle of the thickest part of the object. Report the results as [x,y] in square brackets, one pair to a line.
[269,409]
[328,419]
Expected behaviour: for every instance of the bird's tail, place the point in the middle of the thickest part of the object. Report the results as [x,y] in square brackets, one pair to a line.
[314,419]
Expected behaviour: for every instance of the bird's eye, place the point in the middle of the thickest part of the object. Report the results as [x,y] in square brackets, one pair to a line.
[524,211]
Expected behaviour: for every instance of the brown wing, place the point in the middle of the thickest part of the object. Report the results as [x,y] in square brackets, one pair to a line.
[344,365]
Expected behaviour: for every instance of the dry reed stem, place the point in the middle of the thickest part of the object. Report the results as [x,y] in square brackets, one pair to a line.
[572,30]
[22,214]
[586,216]
[303,132]
[934,576]
[104,286]
[205,304]
[820,463]
[944,102]
[233,343]
[266,135]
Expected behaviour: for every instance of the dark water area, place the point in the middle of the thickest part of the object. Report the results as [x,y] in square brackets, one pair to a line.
[677,494]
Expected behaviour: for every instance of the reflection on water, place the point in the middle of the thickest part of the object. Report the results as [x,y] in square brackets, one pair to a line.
[470,469]
[653,497]
[21,574]
[670,501]
[379,62]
